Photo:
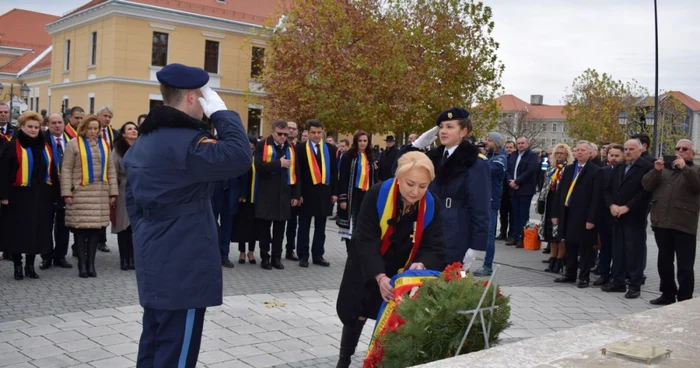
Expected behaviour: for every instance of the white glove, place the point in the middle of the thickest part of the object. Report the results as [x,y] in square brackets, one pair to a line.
[211,102]
[426,138]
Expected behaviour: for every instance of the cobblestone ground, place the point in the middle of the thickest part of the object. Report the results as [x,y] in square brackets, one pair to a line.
[61,320]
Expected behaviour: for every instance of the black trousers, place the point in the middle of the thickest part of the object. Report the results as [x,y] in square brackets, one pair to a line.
[506,215]
[103,236]
[274,240]
[61,235]
[629,253]
[292,230]
[682,246]
[251,247]
[170,338]
[578,256]
[318,245]
[17,259]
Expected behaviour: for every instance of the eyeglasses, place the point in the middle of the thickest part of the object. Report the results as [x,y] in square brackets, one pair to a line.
[560,153]
[279,134]
[682,149]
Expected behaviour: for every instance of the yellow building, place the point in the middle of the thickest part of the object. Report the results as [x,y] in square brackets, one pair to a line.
[108,52]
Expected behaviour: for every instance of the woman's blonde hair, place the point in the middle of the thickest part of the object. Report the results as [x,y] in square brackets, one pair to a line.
[83,125]
[569,154]
[27,116]
[415,159]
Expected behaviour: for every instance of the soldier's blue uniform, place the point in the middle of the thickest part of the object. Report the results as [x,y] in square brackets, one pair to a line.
[172,170]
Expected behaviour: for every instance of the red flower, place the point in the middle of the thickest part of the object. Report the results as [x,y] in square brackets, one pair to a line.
[453,272]
[375,357]
[486,283]
[394,322]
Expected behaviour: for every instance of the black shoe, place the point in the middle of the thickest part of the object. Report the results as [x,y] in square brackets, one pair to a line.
[79,251]
[227,263]
[18,272]
[596,270]
[601,281]
[241,258]
[632,294]
[663,300]
[62,263]
[546,260]
[322,262]
[123,263]
[265,264]
[582,284]
[512,242]
[45,264]
[131,263]
[291,256]
[550,267]
[30,272]
[614,288]
[277,263]
[103,247]
[565,279]
[304,264]
[501,237]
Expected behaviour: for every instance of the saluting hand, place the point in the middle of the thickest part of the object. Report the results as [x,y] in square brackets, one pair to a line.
[211,102]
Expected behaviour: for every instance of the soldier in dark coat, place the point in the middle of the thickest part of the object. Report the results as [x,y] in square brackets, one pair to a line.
[576,213]
[277,187]
[172,170]
[318,172]
[7,132]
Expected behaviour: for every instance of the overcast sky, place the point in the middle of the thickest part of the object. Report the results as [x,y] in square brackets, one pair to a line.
[545,44]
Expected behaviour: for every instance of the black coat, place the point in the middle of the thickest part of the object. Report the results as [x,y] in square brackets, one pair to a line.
[347,190]
[627,190]
[274,196]
[317,198]
[386,163]
[28,222]
[359,293]
[528,168]
[605,218]
[585,200]
[646,156]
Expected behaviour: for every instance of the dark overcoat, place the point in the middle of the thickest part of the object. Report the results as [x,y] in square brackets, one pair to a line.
[273,196]
[528,169]
[172,170]
[317,198]
[359,292]
[583,206]
[627,190]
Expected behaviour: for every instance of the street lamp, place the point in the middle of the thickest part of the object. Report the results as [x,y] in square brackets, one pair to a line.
[633,127]
[23,92]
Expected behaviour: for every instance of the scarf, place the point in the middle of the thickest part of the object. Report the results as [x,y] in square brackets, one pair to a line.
[6,137]
[70,131]
[362,176]
[573,184]
[88,176]
[555,176]
[269,154]
[320,174]
[25,162]
[386,210]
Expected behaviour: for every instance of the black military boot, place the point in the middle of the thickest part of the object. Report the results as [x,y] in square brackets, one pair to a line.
[551,266]
[123,258]
[30,271]
[19,275]
[92,250]
[348,343]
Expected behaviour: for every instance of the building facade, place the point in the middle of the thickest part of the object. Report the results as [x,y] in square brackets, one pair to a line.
[543,124]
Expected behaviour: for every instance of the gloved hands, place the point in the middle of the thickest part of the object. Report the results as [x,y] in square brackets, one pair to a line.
[211,102]
[426,138]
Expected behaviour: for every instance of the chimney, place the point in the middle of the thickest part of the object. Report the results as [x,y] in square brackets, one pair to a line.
[536,100]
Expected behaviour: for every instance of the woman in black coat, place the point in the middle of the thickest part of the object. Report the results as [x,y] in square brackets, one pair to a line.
[245,228]
[28,191]
[356,175]
[383,245]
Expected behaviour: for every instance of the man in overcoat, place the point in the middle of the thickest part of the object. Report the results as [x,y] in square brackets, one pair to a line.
[172,170]
[523,167]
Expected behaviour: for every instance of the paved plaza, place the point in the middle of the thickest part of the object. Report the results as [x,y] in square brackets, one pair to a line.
[269,318]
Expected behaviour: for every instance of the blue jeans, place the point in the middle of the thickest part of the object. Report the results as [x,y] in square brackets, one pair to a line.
[491,243]
[521,213]
[224,203]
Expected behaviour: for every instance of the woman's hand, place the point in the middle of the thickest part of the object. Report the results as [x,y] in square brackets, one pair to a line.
[68,200]
[417,266]
[385,288]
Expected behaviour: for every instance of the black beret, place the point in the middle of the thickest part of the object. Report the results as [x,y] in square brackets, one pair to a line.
[455,113]
[182,77]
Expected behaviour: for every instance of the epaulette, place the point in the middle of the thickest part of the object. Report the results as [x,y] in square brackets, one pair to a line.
[481,156]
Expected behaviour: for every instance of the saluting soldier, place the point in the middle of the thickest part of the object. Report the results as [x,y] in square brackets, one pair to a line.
[172,170]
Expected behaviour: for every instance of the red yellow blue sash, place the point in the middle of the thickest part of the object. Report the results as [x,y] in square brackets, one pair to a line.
[70,131]
[25,159]
[6,137]
[573,184]
[110,134]
[320,174]
[363,172]
[269,154]
[88,176]
[54,148]
[386,210]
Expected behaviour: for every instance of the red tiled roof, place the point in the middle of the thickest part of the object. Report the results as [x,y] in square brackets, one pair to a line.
[24,29]
[686,100]
[510,103]
[248,11]
[44,63]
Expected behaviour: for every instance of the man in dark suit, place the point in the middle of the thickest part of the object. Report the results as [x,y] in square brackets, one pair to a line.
[318,172]
[628,202]
[388,158]
[575,212]
[523,167]
[7,131]
[293,221]
[606,221]
[58,140]
[506,212]
[109,134]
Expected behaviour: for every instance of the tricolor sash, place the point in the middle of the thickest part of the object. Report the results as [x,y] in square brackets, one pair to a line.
[70,131]
[6,137]
[403,283]
[88,175]
[362,175]
[269,154]
[573,184]
[25,161]
[54,149]
[555,176]
[320,174]
[386,210]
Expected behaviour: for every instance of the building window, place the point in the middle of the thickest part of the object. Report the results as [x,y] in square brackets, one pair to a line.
[93,48]
[91,105]
[554,127]
[257,62]
[254,122]
[564,127]
[211,57]
[31,104]
[37,103]
[554,141]
[154,103]
[66,56]
[159,54]
[65,104]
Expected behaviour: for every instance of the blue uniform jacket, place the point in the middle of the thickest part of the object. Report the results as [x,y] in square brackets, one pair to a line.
[498,163]
[527,172]
[172,170]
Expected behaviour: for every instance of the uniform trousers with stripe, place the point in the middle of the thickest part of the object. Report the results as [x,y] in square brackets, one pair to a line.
[170,338]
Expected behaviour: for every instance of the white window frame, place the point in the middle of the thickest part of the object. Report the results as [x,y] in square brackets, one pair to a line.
[218,56]
[554,127]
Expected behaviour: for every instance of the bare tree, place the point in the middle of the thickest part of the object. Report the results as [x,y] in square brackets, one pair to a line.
[514,125]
